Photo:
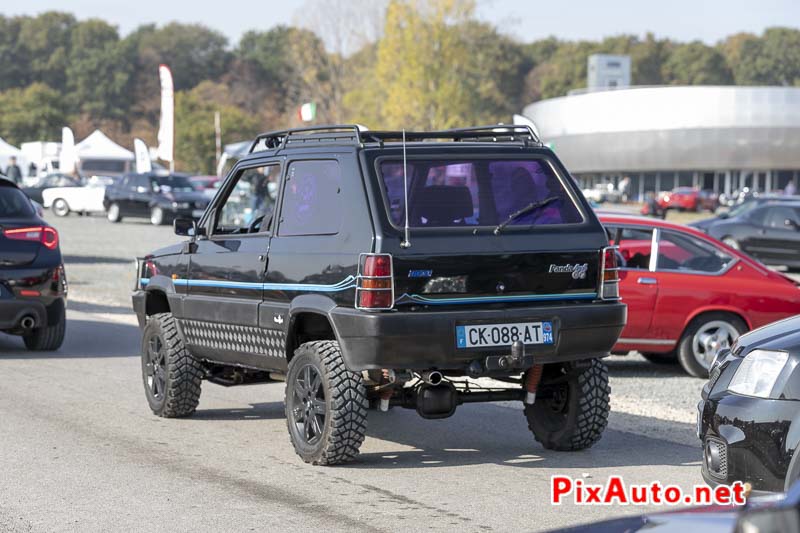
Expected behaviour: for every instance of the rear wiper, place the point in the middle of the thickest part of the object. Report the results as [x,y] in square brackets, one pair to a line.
[524,211]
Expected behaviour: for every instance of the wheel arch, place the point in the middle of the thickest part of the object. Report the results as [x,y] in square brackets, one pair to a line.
[309,320]
[158,293]
[738,313]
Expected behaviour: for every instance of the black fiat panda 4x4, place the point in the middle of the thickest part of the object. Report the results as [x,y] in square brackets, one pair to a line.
[365,282]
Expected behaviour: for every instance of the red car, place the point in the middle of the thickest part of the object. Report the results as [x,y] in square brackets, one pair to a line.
[688,199]
[201,183]
[688,294]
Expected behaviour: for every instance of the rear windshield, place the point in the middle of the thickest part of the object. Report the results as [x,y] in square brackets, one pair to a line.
[14,203]
[477,192]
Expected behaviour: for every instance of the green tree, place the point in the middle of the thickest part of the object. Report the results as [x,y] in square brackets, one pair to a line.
[774,59]
[34,113]
[13,60]
[45,40]
[696,64]
[100,71]
[194,126]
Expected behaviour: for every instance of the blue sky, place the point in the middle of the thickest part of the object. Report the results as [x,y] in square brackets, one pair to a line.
[685,20]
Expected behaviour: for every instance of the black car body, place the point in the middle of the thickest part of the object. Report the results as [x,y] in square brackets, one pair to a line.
[762,514]
[743,208]
[33,286]
[34,192]
[303,261]
[160,198]
[768,230]
[749,416]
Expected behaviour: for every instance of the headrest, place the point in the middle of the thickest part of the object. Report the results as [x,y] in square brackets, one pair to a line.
[442,204]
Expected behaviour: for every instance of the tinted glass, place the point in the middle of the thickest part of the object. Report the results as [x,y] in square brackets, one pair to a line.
[778,215]
[635,246]
[250,204]
[451,193]
[14,203]
[680,252]
[311,199]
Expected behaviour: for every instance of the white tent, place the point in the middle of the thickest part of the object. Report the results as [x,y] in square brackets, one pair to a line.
[6,151]
[99,146]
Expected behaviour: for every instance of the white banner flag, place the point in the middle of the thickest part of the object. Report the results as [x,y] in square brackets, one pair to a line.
[68,158]
[143,164]
[166,129]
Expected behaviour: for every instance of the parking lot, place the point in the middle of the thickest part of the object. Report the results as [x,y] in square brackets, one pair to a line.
[82,452]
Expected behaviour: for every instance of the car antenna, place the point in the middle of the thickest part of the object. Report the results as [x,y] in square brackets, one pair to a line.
[406,241]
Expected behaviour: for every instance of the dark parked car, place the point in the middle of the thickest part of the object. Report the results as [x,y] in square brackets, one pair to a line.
[311,266]
[743,208]
[160,198]
[761,514]
[34,192]
[770,232]
[33,286]
[749,416]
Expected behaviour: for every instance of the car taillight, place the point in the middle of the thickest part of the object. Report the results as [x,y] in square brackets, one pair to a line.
[375,282]
[43,234]
[609,274]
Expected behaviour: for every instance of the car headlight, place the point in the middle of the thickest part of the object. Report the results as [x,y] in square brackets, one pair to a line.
[757,373]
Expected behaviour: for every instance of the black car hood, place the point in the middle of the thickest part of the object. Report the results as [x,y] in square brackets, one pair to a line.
[782,335]
[705,223]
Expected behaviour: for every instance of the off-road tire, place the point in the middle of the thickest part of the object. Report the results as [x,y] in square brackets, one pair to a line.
[60,207]
[182,373]
[686,354]
[345,400]
[48,338]
[576,422]
[113,213]
[668,358]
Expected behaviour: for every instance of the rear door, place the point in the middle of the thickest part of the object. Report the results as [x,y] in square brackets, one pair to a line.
[227,269]
[639,283]
[778,240]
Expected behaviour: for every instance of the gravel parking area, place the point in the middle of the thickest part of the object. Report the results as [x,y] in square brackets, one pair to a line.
[89,456]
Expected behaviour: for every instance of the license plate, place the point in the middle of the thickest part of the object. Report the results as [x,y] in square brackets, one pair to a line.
[197,213]
[490,335]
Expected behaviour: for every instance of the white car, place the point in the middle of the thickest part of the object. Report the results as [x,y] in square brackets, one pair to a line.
[86,199]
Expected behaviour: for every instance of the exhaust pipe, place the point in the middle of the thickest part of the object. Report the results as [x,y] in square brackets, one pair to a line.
[432,377]
[27,322]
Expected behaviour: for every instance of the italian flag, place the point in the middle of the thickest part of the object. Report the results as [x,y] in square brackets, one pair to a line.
[307,112]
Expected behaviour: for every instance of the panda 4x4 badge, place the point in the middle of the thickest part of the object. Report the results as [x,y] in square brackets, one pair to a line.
[578,271]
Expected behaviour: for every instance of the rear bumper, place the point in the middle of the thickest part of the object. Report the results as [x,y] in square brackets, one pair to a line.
[424,340]
[13,311]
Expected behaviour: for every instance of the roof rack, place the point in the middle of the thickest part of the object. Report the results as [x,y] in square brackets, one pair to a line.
[353,134]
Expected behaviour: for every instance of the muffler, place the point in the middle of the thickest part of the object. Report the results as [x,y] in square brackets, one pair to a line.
[437,401]
[432,377]
[27,322]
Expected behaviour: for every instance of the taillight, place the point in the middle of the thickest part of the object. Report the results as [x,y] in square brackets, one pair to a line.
[43,234]
[375,282]
[609,274]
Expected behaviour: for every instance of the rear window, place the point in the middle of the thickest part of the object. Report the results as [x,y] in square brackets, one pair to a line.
[14,203]
[477,192]
[171,184]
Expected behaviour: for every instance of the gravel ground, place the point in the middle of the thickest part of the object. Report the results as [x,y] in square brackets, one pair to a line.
[81,451]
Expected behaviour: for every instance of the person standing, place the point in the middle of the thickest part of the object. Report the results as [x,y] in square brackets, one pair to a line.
[791,189]
[13,172]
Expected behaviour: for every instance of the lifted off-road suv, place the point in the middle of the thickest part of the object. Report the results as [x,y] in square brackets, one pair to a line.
[365,282]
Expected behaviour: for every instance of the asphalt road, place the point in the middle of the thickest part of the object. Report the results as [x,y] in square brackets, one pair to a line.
[80,450]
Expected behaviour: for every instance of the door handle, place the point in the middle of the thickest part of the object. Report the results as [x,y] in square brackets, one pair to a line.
[647,281]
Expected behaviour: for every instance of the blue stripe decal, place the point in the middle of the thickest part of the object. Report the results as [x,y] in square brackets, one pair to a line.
[415,298]
[348,283]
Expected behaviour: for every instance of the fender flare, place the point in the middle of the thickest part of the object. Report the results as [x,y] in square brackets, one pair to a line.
[309,303]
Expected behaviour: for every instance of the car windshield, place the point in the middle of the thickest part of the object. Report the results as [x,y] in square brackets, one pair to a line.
[171,184]
[14,203]
[477,192]
[741,209]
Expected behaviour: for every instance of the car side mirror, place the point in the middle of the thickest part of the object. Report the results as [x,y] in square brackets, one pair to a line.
[791,224]
[187,227]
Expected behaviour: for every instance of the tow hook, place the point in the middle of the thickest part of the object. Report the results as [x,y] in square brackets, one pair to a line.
[532,378]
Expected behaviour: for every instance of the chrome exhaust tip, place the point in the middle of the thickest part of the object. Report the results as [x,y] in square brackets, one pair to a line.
[432,377]
[27,322]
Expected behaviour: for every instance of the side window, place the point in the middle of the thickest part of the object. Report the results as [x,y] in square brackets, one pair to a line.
[251,202]
[312,199]
[679,252]
[777,217]
[758,216]
[142,184]
[635,246]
